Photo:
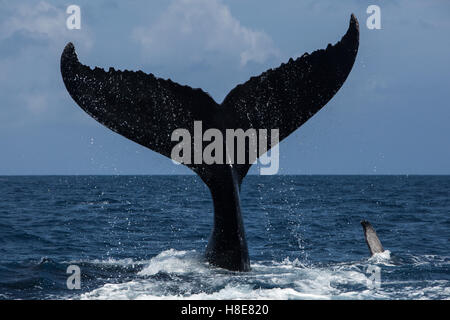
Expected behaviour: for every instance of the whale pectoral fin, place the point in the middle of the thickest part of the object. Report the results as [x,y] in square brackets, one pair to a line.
[371,237]
[138,106]
[286,97]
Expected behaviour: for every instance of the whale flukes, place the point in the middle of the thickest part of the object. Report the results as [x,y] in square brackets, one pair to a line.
[147,109]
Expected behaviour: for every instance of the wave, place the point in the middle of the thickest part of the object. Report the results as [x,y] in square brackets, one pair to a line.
[383,258]
[176,274]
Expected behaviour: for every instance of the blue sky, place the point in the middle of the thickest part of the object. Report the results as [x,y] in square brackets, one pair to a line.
[390,117]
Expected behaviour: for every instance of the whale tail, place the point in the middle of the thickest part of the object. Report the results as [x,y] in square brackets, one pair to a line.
[371,237]
[147,110]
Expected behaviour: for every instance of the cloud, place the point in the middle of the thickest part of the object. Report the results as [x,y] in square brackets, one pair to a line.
[192,31]
[32,36]
[40,21]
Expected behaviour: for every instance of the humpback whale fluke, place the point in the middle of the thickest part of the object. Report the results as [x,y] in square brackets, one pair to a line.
[147,109]
[371,237]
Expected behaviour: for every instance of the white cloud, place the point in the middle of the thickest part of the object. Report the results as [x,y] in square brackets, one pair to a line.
[41,21]
[191,31]
[32,37]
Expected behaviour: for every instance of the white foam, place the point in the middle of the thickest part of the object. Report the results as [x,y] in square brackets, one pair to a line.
[184,275]
[173,261]
[381,258]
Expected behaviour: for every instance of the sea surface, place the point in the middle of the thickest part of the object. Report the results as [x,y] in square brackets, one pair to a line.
[143,237]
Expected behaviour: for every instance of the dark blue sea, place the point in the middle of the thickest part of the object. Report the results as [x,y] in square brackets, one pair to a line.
[143,237]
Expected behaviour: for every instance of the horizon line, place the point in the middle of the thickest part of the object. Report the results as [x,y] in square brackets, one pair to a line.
[254,175]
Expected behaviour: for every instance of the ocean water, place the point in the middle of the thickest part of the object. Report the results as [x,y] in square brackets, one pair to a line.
[143,237]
